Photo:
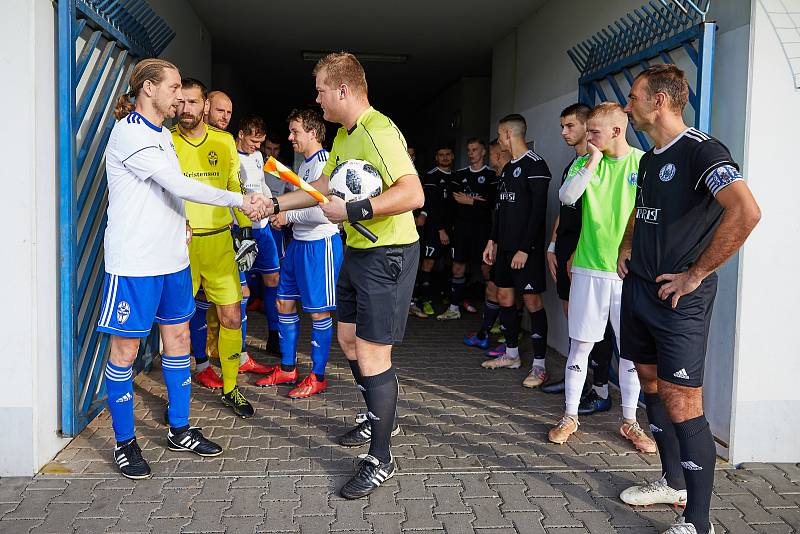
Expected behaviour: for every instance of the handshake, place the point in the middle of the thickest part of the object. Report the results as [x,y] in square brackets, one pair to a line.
[256,206]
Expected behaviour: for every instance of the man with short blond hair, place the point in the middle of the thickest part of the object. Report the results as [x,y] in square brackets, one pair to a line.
[605,182]
[376,279]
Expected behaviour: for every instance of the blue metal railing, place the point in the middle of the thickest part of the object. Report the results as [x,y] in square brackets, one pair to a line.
[111,35]
[650,33]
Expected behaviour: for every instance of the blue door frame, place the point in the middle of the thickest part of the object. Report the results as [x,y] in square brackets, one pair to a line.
[113,34]
[650,33]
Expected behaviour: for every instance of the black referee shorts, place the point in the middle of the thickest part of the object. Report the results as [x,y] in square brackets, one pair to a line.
[651,332]
[469,241]
[374,289]
[529,279]
[565,247]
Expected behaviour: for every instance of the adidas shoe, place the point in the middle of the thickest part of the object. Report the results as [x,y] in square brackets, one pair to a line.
[472,340]
[130,462]
[192,440]
[593,403]
[371,474]
[208,378]
[634,433]
[310,385]
[362,433]
[416,311]
[499,350]
[252,366]
[427,308]
[682,527]
[656,492]
[449,314]
[238,403]
[535,378]
[563,430]
[278,376]
[504,360]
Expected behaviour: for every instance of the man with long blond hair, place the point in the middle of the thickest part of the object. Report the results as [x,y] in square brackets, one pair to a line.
[147,275]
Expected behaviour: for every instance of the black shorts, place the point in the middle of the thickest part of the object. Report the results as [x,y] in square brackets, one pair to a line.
[529,279]
[469,241]
[374,289]
[651,332]
[565,247]
[432,248]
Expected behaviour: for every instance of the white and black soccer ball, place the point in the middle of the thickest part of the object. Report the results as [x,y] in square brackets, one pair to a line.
[355,179]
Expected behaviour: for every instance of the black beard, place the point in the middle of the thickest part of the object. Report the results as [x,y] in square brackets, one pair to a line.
[190,125]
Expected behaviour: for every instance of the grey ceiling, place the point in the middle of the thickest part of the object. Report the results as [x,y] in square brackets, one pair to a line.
[443,39]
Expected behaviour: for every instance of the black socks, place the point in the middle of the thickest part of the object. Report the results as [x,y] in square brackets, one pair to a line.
[698,456]
[381,396]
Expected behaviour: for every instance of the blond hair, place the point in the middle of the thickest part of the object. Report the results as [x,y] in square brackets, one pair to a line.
[147,69]
[343,68]
[611,111]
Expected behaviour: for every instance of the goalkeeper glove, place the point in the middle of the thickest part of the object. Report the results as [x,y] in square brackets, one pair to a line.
[245,248]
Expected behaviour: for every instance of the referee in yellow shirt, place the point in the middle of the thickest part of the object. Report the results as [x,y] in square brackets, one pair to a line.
[376,279]
[209,155]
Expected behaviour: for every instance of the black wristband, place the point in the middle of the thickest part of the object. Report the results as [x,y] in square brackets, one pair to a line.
[246,232]
[276,208]
[359,210]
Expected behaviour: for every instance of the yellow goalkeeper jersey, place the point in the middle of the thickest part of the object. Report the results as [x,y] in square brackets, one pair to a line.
[213,160]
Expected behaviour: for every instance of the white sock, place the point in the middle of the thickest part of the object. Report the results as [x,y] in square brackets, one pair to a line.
[201,366]
[575,373]
[512,352]
[538,362]
[629,387]
[454,307]
[602,391]
[243,356]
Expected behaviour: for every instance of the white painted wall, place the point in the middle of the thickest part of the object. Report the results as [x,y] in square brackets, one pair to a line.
[766,409]
[190,50]
[532,75]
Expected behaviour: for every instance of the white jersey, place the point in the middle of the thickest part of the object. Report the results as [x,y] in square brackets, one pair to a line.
[309,224]
[146,232]
[251,169]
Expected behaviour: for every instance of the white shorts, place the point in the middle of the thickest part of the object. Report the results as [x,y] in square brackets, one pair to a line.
[593,301]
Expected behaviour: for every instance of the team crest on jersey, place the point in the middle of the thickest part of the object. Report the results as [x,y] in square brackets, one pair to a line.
[517,172]
[212,158]
[633,178]
[481,179]
[667,172]
[123,312]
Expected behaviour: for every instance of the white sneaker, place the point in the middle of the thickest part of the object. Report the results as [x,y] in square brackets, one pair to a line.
[656,492]
[682,527]
[510,362]
[449,314]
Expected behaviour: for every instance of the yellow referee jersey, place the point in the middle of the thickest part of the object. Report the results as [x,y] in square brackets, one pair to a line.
[213,160]
[376,139]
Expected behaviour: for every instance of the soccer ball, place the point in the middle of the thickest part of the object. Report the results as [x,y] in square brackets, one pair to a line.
[355,179]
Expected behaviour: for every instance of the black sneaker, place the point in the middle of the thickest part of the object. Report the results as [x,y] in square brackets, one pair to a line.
[238,403]
[130,462]
[593,403]
[553,387]
[362,433]
[371,474]
[273,344]
[192,440]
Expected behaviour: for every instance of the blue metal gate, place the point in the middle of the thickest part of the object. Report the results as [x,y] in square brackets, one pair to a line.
[98,43]
[667,31]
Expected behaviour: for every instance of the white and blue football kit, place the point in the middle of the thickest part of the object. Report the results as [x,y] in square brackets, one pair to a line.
[147,276]
[252,172]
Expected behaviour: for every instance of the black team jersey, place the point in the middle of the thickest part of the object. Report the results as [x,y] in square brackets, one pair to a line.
[569,217]
[434,184]
[481,183]
[676,212]
[522,204]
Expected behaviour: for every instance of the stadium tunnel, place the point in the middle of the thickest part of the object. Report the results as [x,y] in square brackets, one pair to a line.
[444,71]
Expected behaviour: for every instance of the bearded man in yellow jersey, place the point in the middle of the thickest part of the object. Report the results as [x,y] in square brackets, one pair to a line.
[209,155]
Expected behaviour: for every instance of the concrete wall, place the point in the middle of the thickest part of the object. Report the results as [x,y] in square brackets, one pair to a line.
[532,75]
[190,50]
[766,409]
[28,340]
